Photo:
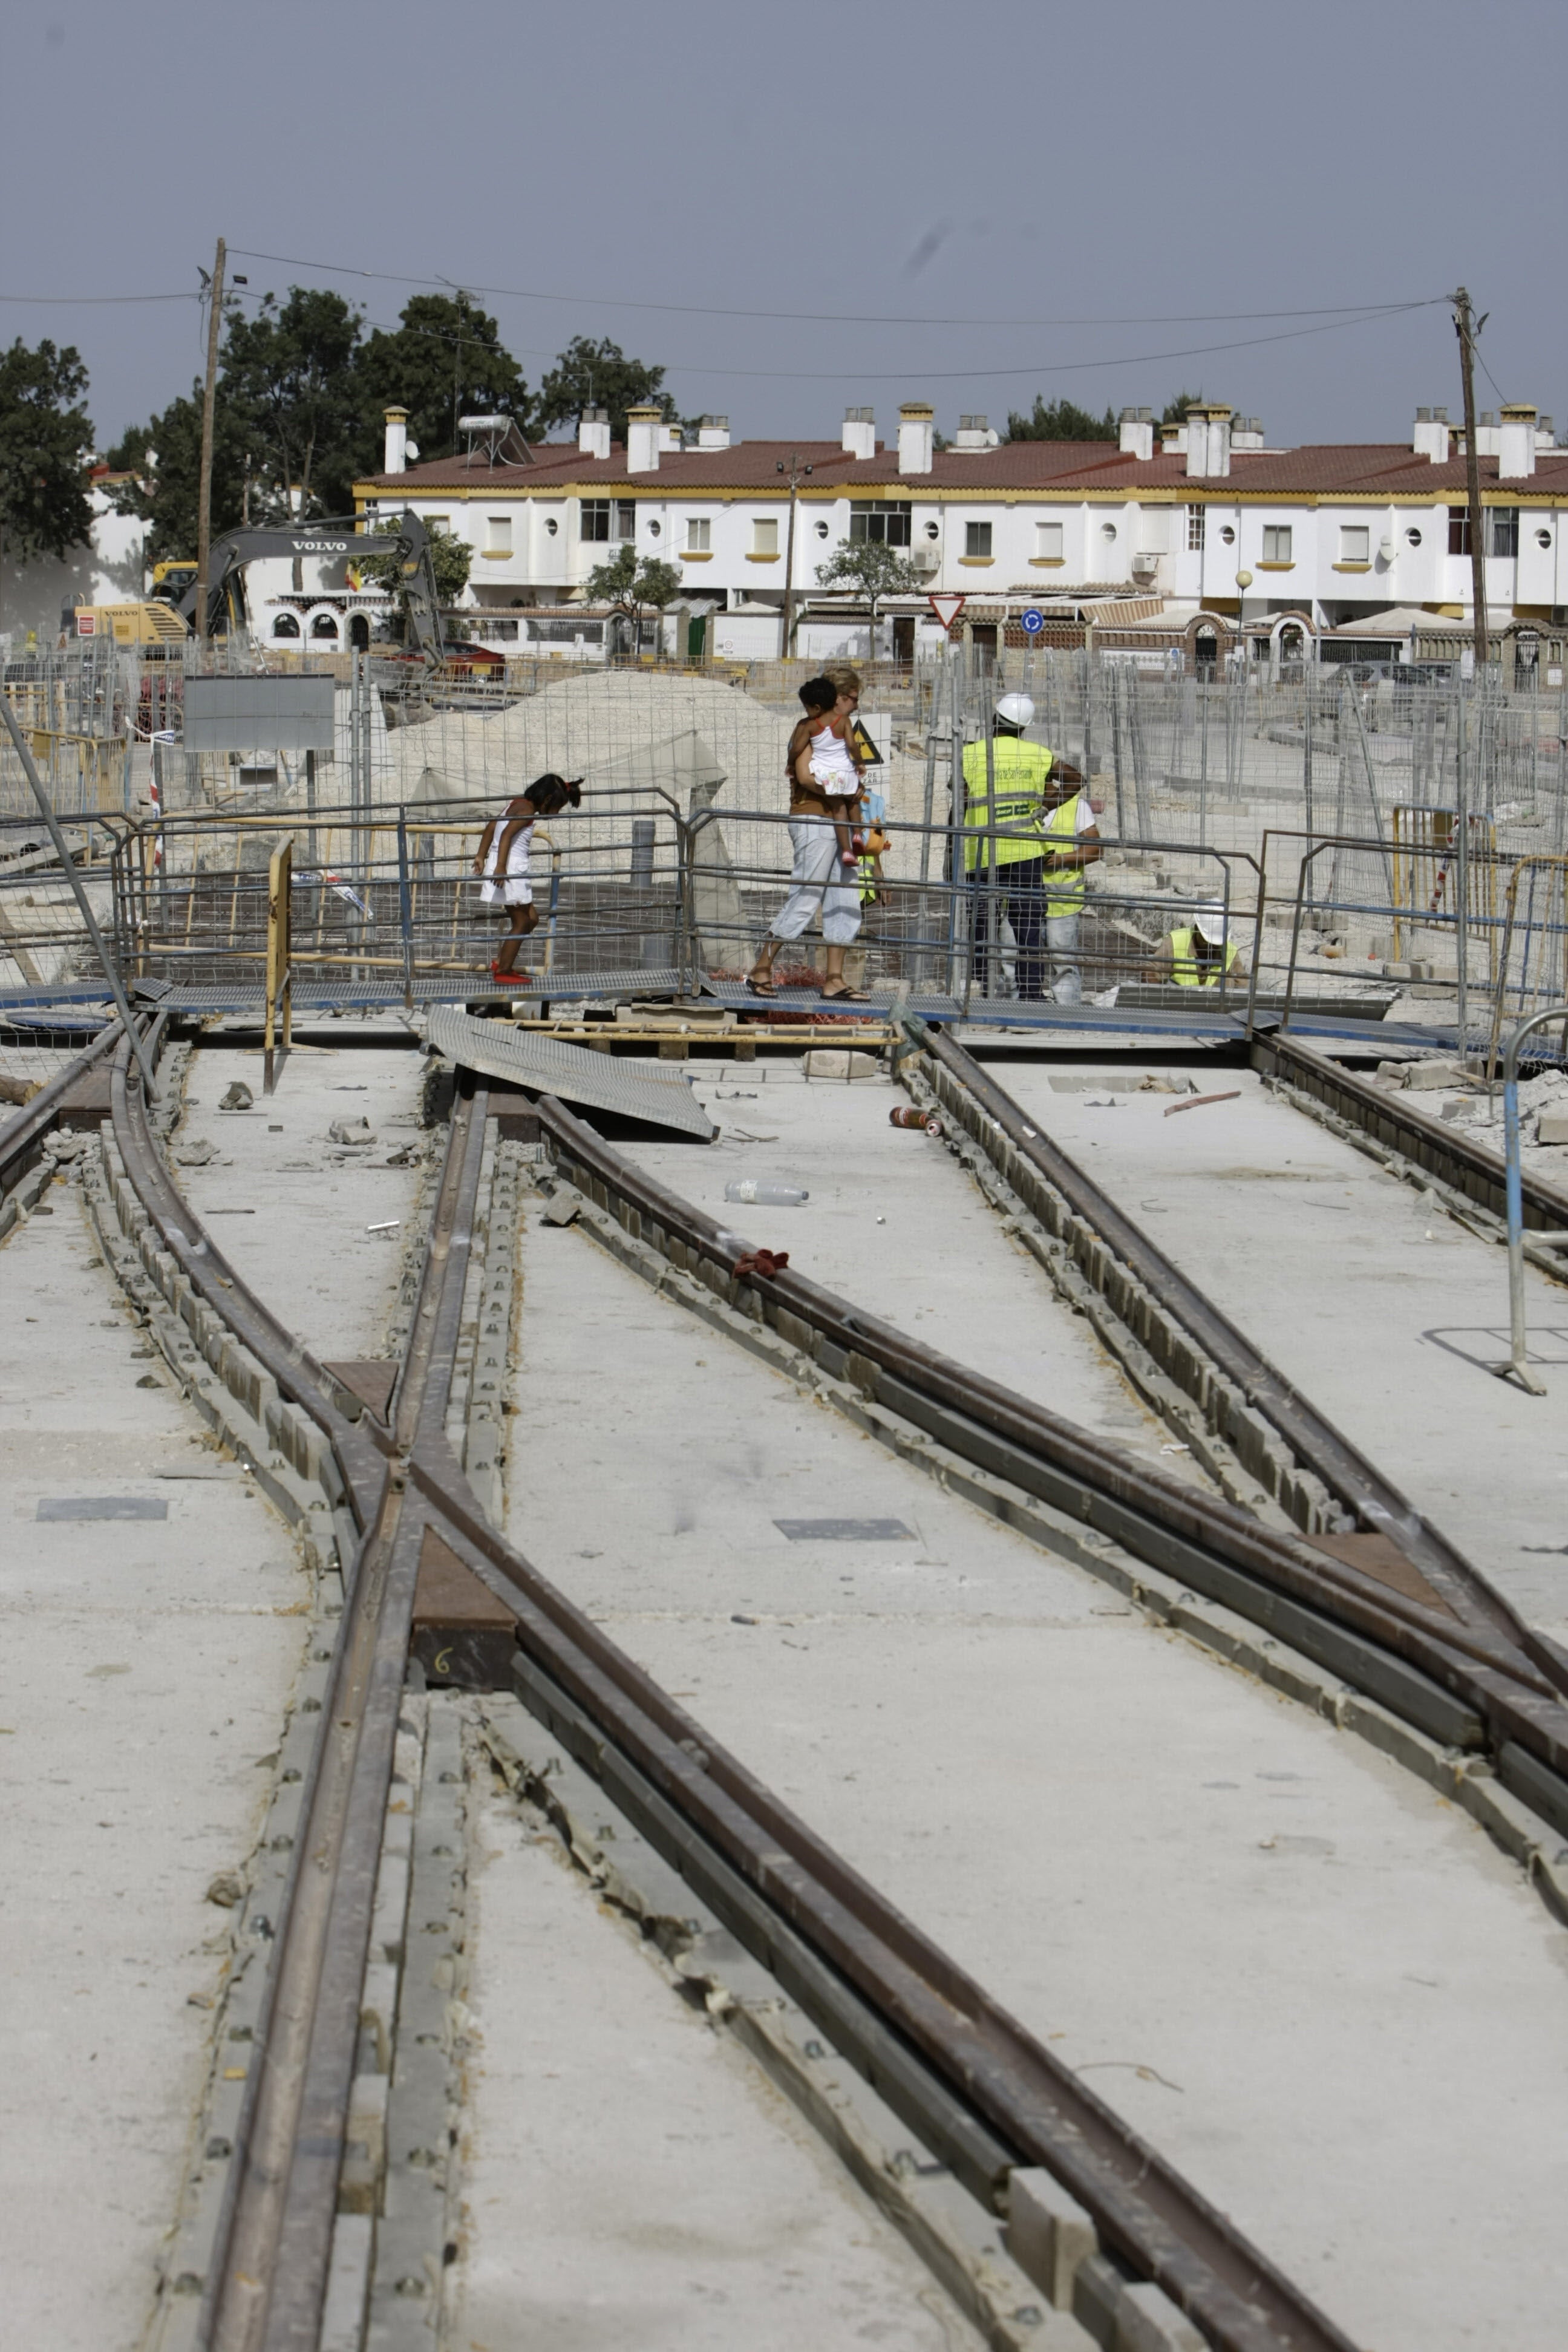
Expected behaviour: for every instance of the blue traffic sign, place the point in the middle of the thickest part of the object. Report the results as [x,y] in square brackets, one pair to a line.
[1034,622]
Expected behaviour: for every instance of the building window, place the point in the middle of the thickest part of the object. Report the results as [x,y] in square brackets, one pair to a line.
[1355,542]
[698,534]
[626,519]
[285,626]
[437,522]
[1503,538]
[977,538]
[551,526]
[500,534]
[821,529]
[887,520]
[1458,531]
[654,528]
[325,626]
[1413,536]
[1543,539]
[1277,542]
[1049,541]
[764,535]
[1195,516]
[596,519]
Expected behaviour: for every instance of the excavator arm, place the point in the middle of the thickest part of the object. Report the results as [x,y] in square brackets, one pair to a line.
[340,536]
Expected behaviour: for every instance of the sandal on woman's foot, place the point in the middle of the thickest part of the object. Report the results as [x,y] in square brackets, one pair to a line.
[763,987]
[846,995]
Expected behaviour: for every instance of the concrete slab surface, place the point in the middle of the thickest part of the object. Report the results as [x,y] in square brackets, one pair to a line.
[1386,1312]
[632,2182]
[1318,1989]
[146,1667]
[307,1243]
[894,1223]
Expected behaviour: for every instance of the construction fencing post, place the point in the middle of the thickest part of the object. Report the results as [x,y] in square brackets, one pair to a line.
[405,910]
[279,973]
[1518,1366]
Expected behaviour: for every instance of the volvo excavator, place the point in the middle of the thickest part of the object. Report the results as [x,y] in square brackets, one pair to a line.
[168,616]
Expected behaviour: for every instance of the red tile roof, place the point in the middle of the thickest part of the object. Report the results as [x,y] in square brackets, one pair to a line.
[1377,469]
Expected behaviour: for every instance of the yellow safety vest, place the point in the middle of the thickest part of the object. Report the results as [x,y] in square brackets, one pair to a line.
[1185,969]
[1021,770]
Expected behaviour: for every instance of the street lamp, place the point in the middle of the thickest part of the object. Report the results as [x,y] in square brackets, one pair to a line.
[1243,582]
[797,472]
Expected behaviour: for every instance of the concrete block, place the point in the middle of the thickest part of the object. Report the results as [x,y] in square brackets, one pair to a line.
[1147,2321]
[1430,1078]
[839,1062]
[1048,2233]
[1552,1127]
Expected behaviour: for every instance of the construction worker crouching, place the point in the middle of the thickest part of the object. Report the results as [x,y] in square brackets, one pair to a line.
[1196,954]
[1025,858]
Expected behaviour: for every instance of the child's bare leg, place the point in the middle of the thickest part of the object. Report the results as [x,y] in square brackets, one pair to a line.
[523,920]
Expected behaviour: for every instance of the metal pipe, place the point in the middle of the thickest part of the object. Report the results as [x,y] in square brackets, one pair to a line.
[1518,1365]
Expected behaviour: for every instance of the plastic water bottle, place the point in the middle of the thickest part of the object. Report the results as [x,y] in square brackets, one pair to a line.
[765,1193]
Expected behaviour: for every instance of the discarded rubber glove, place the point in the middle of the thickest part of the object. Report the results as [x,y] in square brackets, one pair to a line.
[763,1262]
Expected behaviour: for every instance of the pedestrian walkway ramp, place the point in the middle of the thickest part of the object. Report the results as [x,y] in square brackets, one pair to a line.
[547,1066]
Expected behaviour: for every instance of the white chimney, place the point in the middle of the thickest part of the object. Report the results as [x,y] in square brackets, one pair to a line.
[861,432]
[1135,431]
[395,454]
[644,431]
[714,433]
[1516,437]
[974,433]
[594,433]
[669,437]
[1545,434]
[1208,442]
[1247,433]
[1431,436]
[1488,438]
[916,426]
[1172,440]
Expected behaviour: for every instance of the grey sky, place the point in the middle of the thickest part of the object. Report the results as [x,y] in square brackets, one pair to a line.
[1010,162]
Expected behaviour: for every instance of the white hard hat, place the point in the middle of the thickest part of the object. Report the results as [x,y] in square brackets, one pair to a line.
[1015,709]
[1210,921]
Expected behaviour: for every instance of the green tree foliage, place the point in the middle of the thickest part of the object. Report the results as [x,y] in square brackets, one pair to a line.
[1059,420]
[165,457]
[292,372]
[873,570]
[44,436]
[444,360]
[599,375]
[451,559]
[629,586]
[1175,411]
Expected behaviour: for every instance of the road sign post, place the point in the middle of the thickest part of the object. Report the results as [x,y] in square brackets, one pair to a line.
[1034,620]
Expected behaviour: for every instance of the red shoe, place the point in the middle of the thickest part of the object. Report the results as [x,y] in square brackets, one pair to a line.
[512,979]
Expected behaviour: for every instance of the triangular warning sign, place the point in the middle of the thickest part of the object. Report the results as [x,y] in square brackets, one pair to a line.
[947,609]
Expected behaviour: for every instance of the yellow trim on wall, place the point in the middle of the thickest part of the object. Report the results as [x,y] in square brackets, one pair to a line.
[774,558]
[981,562]
[1048,562]
[696,555]
[1276,567]
[1352,567]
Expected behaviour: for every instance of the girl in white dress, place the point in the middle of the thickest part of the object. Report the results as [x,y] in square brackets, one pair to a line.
[502,860]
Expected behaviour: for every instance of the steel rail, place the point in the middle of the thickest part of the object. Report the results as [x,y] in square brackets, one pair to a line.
[1006,2097]
[265,2288]
[1432,1145]
[21,1139]
[1315,1441]
[1463,1684]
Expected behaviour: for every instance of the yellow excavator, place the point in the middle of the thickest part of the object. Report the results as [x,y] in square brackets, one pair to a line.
[168,616]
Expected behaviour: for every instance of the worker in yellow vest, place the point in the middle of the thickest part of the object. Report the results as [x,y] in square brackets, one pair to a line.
[1025,860]
[1196,954]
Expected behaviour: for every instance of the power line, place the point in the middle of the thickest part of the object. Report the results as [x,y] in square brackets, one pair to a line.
[83,301]
[825,318]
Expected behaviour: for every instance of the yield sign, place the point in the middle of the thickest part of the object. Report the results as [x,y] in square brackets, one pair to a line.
[947,609]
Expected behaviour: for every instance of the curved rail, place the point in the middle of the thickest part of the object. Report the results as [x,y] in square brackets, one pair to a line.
[1357,1483]
[21,1137]
[1001,2092]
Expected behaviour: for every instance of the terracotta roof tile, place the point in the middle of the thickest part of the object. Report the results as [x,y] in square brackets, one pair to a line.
[1381,469]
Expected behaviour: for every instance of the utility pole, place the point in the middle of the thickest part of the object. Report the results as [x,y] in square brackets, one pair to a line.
[205,497]
[1467,328]
[796,473]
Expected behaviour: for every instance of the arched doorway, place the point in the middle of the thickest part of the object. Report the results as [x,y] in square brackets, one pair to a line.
[324,628]
[359,631]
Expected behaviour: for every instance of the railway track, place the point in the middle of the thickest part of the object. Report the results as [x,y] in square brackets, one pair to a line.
[985,2096]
